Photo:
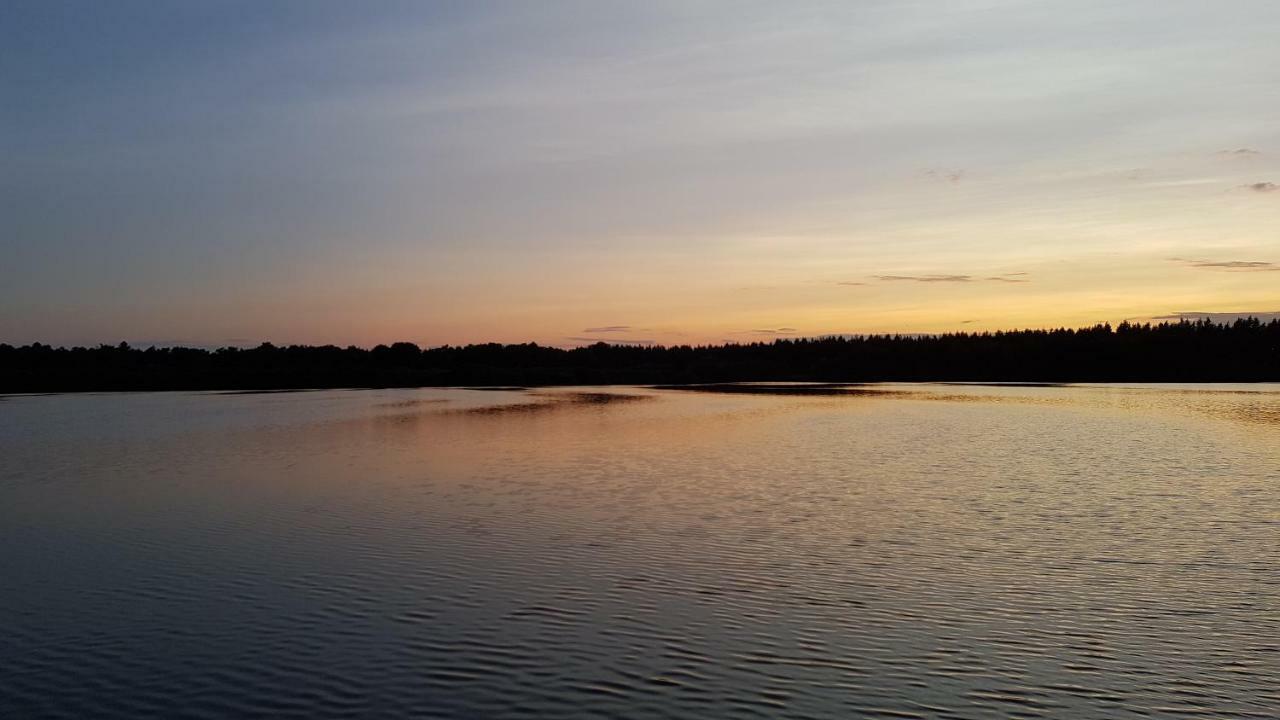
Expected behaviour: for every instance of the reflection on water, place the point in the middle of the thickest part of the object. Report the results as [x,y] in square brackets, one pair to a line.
[559,400]
[791,388]
[885,551]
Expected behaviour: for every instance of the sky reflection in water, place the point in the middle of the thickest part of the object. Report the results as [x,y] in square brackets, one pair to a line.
[901,550]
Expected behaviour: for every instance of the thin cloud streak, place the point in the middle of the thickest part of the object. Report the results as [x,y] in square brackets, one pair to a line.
[1017,277]
[612,341]
[1229,265]
[925,278]
[769,331]
[1219,317]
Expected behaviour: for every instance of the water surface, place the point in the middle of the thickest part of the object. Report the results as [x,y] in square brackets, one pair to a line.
[901,551]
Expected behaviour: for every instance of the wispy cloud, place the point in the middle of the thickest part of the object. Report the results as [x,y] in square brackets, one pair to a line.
[1240,152]
[925,278]
[1014,277]
[773,331]
[850,283]
[1229,265]
[607,329]
[952,176]
[1262,187]
[1219,317]
[612,341]
[1018,277]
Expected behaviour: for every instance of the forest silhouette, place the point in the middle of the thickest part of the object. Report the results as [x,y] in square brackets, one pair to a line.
[1246,350]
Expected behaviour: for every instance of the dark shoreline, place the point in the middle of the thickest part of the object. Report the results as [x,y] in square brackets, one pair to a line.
[1187,352]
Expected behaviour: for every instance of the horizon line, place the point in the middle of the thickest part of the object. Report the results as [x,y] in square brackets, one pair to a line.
[1198,318]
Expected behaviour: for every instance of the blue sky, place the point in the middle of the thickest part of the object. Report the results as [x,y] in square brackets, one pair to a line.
[231,172]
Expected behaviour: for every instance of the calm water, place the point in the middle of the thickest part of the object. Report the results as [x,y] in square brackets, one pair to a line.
[893,551]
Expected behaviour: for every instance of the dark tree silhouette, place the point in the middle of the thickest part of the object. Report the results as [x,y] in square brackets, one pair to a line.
[1244,351]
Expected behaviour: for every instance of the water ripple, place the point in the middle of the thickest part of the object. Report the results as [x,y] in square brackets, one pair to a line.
[899,552]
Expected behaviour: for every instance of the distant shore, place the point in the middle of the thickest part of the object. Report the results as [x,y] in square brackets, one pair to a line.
[1246,350]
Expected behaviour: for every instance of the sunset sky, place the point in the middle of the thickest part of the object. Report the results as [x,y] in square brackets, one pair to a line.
[673,172]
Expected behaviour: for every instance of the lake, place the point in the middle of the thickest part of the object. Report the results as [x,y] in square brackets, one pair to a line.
[895,551]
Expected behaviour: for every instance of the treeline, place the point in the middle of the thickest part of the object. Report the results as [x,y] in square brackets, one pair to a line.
[1244,351]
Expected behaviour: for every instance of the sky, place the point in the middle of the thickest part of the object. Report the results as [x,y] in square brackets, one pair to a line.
[228,173]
